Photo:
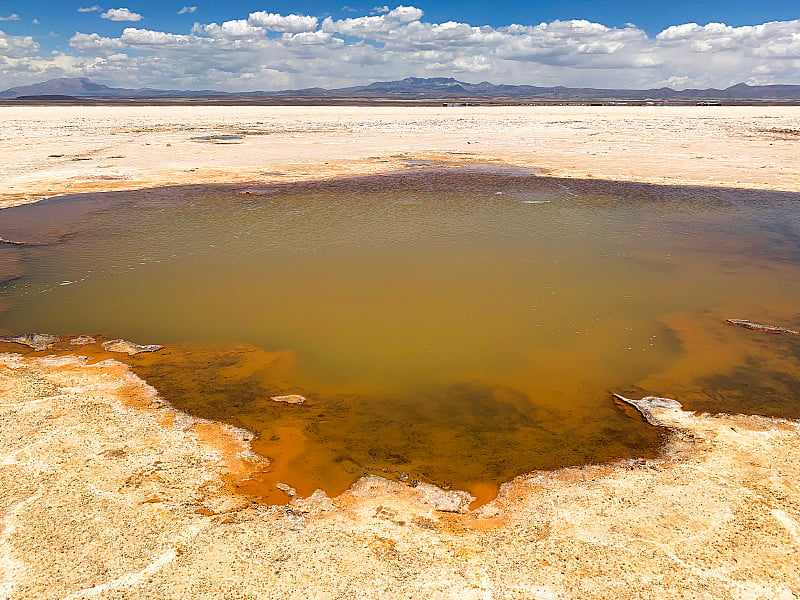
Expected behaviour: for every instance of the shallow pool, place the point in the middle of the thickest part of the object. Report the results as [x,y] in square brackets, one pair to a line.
[457,326]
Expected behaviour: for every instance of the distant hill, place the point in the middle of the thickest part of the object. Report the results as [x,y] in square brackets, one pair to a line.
[416,88]
[83,87]
[79,86]
[441,87]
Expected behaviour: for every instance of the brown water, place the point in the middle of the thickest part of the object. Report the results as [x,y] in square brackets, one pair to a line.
[459,326]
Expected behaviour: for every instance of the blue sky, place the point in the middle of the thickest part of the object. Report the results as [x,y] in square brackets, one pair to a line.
[61,16]
[223,45]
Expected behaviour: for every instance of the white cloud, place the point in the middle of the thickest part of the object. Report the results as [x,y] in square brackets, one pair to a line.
[312,38]
[138,38]
[16,46]
[246,53]
[777,39]
[289,23]
[239,29]
[121,14]
[86,9]
[576,43]
[35,21]
[378,28]
[11,17]
[92,43]
[187,10]
[405,14]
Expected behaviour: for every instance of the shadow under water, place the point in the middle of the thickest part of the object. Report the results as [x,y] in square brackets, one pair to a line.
[453,326]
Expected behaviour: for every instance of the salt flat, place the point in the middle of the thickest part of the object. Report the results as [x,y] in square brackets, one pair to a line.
[106,492]
[55,150]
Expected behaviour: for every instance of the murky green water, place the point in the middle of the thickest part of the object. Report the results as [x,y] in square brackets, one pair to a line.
[461,326]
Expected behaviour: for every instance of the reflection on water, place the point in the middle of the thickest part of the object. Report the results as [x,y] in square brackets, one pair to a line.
[458,326]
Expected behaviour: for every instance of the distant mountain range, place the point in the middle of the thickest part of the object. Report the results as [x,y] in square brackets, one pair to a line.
[444,88]
[82,87]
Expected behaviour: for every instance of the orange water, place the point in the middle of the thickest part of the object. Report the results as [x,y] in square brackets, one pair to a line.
[459,326]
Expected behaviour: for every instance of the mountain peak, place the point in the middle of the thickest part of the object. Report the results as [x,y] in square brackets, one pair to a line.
[64,86]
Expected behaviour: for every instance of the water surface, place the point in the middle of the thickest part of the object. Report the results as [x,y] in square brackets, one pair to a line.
[460,326]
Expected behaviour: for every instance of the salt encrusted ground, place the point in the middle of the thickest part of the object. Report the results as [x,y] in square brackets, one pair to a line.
[106,492]
[54,150]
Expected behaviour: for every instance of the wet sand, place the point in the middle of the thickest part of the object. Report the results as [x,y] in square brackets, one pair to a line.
[46,151]
[107,492]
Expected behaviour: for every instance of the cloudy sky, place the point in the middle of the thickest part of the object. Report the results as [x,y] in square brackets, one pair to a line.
[242,45]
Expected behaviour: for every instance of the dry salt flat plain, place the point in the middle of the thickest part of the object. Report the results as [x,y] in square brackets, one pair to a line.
[55,150]
[108,492]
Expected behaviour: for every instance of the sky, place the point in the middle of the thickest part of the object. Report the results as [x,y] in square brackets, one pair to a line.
[241,45]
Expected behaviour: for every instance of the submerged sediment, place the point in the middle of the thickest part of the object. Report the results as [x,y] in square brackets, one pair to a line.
[138,500]
[130,348]
[37,341]
[747,324]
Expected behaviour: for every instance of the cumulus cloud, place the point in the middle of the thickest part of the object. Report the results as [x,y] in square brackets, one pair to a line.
[86,9]
[777,39]
[187,10]
[121,14]
[11,17]
[16,46]
[143,38]
[266,50]
[377,28]
[239,29]
[574,43]
[93,43]
[289,23]
[314,38]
